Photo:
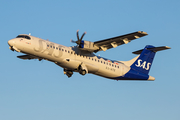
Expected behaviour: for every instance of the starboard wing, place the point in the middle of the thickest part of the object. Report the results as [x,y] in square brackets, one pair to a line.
[119,40]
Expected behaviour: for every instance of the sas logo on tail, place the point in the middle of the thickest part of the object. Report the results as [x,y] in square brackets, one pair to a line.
[144,65]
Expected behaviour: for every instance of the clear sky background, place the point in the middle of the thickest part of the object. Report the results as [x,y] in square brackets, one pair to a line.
[33,90]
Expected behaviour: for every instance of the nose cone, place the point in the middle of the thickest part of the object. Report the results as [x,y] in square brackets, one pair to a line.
[11,42]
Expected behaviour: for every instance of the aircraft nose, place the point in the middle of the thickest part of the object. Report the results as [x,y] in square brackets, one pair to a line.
[11,42]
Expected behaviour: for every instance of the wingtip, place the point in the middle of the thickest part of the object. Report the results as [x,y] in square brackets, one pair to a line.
[142,32]
[167,47]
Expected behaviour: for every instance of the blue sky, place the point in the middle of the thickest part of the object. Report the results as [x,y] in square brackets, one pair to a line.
[40,91]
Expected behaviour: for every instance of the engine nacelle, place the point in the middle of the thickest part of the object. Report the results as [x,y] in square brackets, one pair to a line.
[88,46]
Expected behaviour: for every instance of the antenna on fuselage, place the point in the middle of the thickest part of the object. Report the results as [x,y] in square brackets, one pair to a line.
[29,33]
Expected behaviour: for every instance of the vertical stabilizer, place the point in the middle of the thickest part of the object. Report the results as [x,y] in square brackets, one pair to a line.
[144,62]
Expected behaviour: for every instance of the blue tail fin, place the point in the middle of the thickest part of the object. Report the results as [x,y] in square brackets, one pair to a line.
[144,61]
[141,64]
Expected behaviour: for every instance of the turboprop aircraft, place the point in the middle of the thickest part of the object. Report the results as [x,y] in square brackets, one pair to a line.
[81,58]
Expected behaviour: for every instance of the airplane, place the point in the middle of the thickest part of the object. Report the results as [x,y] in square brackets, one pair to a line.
[81,58]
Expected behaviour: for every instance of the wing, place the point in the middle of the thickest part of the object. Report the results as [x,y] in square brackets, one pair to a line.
[119,40]
[29,57]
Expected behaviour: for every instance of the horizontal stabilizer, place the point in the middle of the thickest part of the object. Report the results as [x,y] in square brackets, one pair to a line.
[155,49]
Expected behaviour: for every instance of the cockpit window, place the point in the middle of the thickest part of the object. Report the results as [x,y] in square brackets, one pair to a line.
[23,36]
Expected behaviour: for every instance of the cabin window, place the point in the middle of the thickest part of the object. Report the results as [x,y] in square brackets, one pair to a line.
[92,58]
[117,66]
[56,48]
[47,45]
[104,62]
[112,65]
[24,36]
[68,52]
[65,50]
[53,47]
[59,48]
[101,61]
[62,49]
[95,59]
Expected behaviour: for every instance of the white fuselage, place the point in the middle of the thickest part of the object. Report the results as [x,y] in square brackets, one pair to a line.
[69,58]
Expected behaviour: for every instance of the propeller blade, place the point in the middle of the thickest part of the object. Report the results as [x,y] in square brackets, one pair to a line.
[78,35]
[82,36]
[73,41]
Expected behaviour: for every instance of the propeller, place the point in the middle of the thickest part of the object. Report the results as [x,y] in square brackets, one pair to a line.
[78,40]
